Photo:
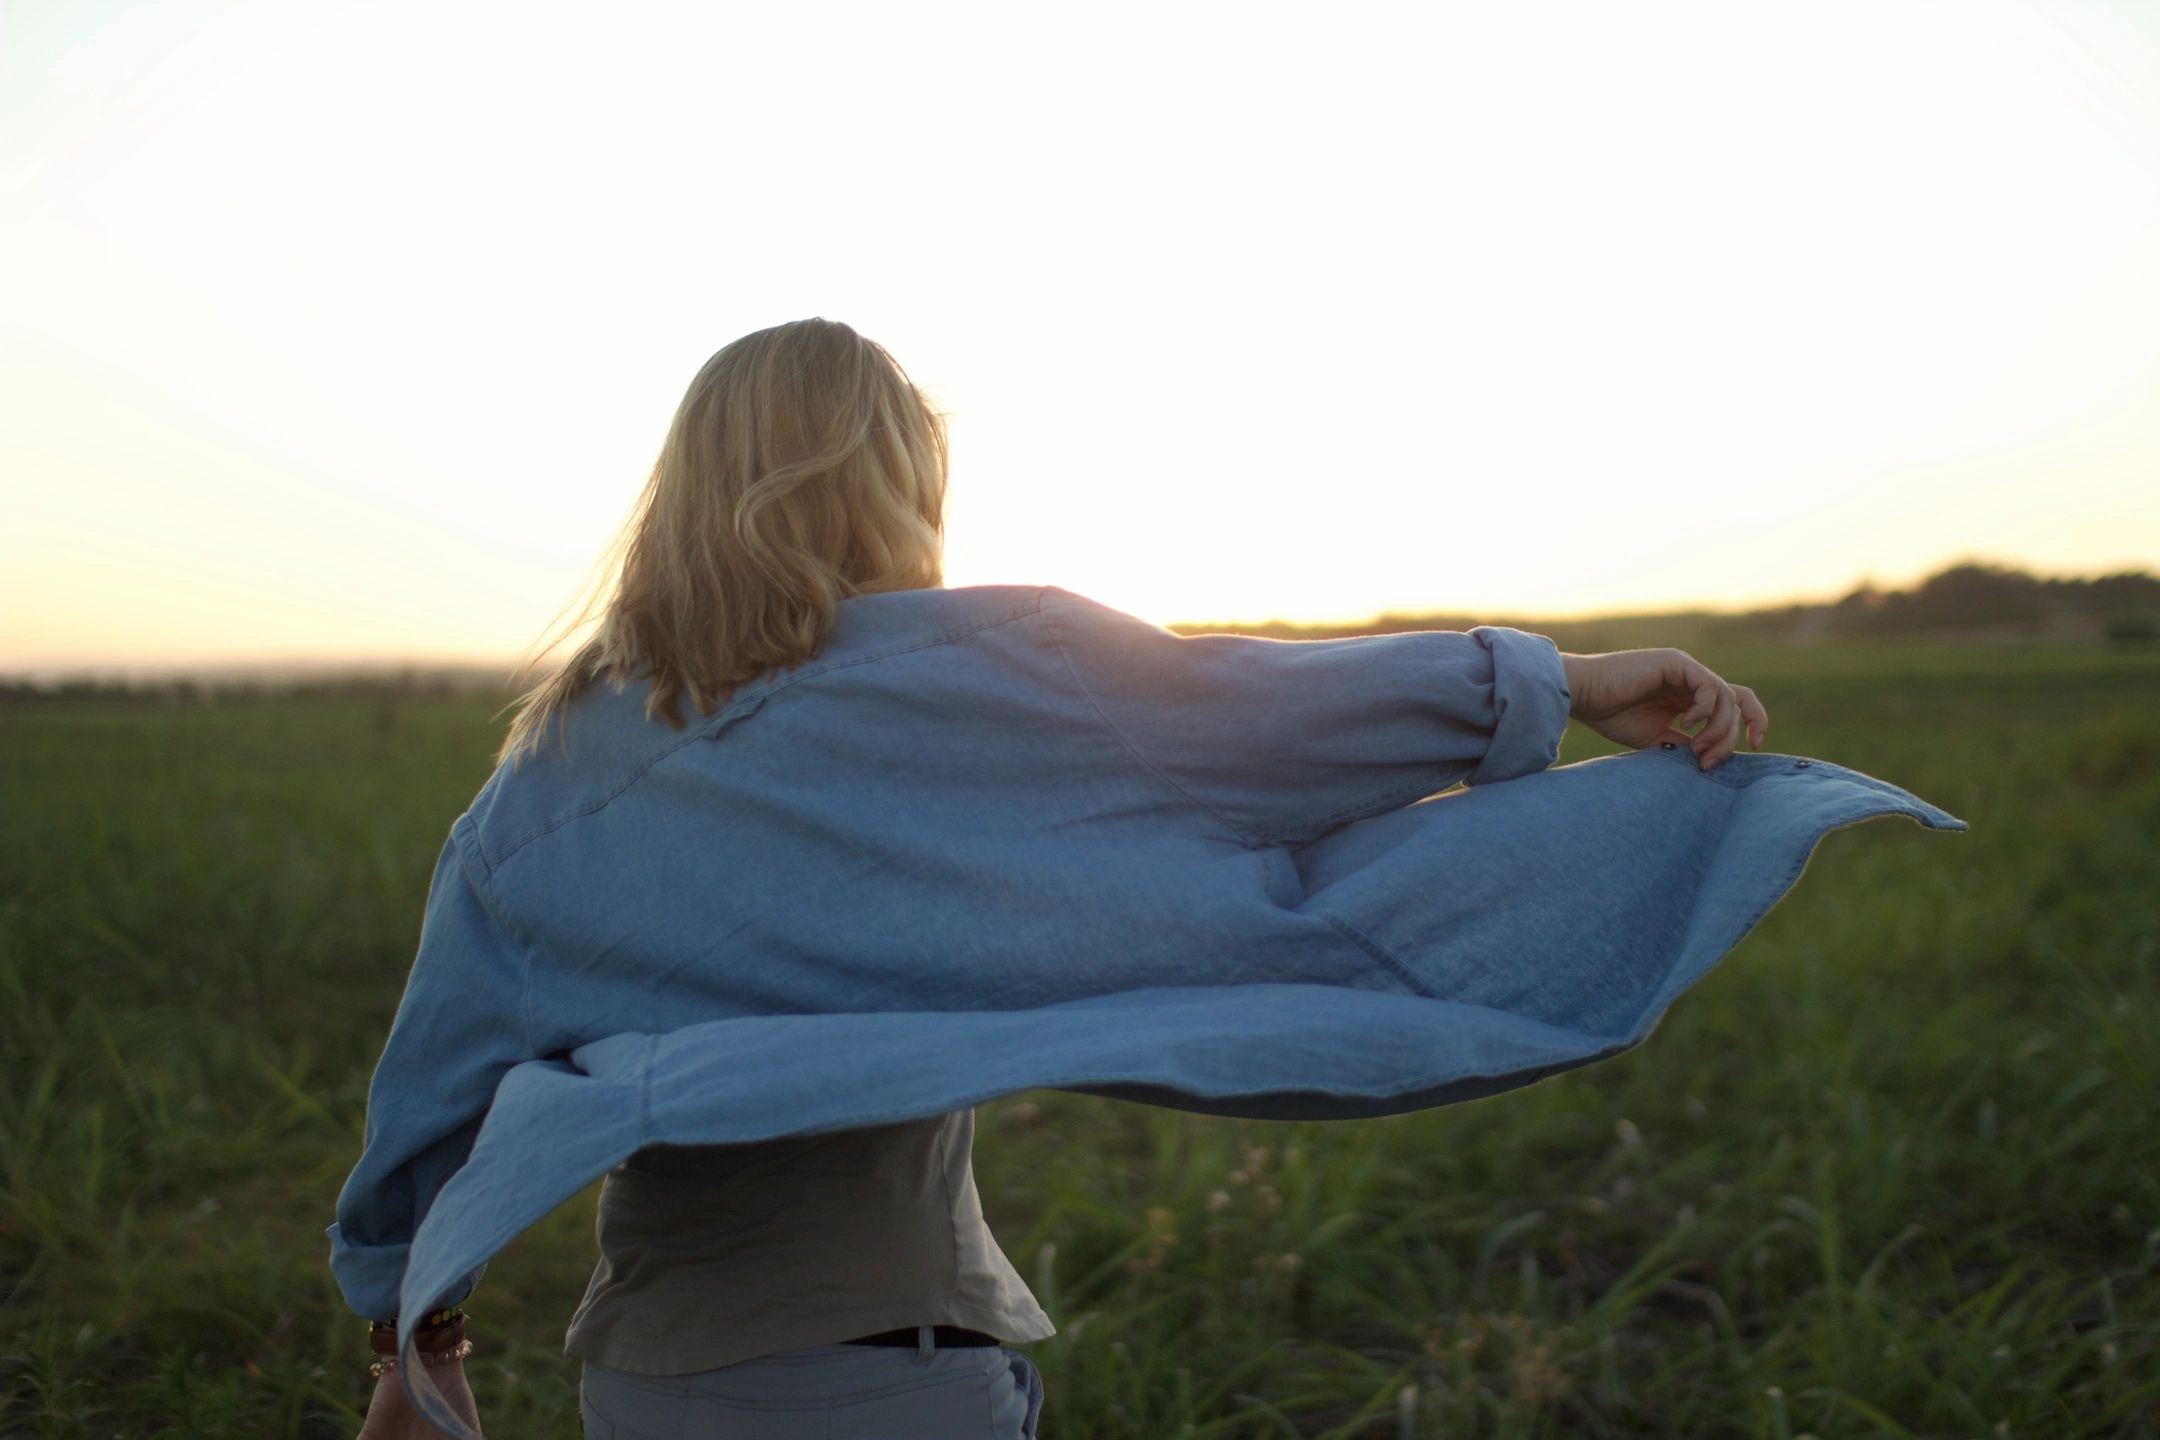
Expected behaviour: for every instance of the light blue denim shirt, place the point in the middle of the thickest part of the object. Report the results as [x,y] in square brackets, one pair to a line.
[1000,837]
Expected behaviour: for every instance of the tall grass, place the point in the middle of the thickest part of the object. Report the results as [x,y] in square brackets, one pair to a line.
[1889,1171]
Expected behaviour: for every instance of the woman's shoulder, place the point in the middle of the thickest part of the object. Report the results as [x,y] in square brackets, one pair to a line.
[912,616]
[607,739]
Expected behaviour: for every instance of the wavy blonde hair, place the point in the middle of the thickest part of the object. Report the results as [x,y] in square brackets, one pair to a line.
[802,467]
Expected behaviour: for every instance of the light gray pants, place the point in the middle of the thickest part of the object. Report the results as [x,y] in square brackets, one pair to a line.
[827,1392]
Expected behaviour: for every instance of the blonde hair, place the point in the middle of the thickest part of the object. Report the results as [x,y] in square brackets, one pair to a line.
[802,467]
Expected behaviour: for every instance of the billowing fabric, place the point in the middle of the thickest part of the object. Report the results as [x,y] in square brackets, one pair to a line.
[1002,837]
[715,1254]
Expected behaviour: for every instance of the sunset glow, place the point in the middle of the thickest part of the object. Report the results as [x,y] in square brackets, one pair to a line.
[342,330]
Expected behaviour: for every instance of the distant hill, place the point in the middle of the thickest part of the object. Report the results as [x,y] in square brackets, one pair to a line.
[1970,599]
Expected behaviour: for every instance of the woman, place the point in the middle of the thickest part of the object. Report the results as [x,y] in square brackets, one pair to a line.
[804,854]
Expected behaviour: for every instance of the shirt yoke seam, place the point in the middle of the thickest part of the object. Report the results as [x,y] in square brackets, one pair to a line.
[743,706]
[812,670]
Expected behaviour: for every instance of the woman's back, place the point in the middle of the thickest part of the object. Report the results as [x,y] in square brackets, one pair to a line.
[980,799]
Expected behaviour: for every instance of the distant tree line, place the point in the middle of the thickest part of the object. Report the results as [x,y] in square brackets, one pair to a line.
[1970,599]
[1990,597]
[413,681]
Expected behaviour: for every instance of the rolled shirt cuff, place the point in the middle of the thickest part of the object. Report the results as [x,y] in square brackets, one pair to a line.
[1530,704]
[370,1276]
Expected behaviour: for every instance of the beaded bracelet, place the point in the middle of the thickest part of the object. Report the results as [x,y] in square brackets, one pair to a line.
[433,1359]
[429,1321]
[439,1338]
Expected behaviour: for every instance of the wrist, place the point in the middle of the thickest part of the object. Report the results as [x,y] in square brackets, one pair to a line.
[1572,671]
[438,1340]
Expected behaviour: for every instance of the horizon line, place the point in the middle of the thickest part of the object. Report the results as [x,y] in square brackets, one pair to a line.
[375,663]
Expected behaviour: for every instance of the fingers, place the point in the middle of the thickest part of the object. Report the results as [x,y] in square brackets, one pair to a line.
[1707,693]
[1736,712]
[1724,712]
[1694,677]
[1720,734]
[1754,715]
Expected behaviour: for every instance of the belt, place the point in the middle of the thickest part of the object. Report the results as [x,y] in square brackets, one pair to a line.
[947,1337]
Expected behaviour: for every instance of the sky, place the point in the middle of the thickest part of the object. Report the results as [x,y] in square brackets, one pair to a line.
[350,331]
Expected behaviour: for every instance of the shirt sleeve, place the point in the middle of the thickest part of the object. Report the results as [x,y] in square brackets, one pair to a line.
[458,1029]
[1285,739]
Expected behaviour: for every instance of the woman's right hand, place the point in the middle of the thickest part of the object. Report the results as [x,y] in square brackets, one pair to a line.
[391,1416]
[1649,697]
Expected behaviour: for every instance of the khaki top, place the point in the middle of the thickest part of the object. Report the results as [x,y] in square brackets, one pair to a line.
[715,1254]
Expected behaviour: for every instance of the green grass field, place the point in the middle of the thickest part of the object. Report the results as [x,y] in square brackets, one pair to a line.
[1890,1170]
